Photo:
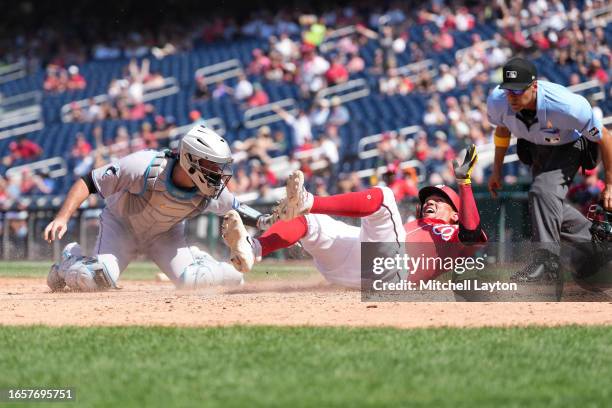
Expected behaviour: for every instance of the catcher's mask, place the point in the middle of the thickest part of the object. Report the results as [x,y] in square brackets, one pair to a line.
[601,227]
[207,159]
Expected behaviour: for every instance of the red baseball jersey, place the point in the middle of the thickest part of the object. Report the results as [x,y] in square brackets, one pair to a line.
[438,239]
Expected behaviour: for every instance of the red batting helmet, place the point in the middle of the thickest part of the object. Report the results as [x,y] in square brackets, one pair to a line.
[443,191]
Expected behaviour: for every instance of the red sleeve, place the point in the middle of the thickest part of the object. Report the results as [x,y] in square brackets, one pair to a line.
[469,218]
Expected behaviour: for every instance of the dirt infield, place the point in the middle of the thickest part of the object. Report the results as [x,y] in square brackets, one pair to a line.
[306,302]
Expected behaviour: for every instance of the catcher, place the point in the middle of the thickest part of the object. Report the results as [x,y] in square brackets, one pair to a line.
[445,217]
[149,195]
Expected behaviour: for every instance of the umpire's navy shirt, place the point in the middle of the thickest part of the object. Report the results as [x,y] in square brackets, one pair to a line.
[563,116]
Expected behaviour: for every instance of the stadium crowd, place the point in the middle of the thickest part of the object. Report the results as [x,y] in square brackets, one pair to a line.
[303,50]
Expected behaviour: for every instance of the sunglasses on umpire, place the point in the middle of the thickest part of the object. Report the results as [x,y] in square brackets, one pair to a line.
[517,92]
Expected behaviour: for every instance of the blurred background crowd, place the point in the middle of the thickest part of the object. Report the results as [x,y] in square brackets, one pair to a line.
[420,73]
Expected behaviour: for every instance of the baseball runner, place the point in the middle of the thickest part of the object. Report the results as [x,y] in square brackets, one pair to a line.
[445,217]
[149,195]
[557,133]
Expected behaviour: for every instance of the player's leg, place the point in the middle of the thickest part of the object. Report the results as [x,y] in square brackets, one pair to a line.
[114,249]
[301,202]
[384,224]
[333,245]
[575,226]
[189,267]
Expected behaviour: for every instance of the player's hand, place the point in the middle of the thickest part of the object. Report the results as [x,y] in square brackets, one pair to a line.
[606,197]
[55,230]
[494,184]
[463,171]
[265,221]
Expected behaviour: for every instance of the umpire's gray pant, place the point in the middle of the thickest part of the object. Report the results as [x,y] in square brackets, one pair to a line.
[553,219]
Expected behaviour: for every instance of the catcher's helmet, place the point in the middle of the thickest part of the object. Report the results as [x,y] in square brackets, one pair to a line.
[207,159]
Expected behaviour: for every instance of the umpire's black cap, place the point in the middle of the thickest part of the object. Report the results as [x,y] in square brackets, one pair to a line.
[518,74]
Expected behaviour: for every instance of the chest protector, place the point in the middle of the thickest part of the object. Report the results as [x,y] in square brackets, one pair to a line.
[154,209]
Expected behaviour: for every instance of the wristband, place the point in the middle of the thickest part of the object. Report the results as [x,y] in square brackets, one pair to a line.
[501,141]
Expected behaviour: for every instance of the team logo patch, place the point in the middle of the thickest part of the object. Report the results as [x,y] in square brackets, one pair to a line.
[594,132]
[445,231]
[112,170]
[511,74]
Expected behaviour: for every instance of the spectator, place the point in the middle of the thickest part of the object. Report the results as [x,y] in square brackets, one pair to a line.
[201,92]
[33,184]
[22,149]
[244,89]
[320,112]
[260,63]
[302,129]
[221,90]
[259,97]
[339,114]
[337,72]
[313,69]
[81,148]
[403,184]
[257,147]
[355,64]
[330,152]
[433,115]
[446,82]
[76,81]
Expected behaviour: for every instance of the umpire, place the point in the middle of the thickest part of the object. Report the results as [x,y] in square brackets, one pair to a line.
[557,133]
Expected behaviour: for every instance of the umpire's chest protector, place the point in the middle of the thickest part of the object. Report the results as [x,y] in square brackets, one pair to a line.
[160,205]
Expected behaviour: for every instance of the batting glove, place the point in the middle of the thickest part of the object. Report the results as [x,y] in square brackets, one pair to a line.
[463,171]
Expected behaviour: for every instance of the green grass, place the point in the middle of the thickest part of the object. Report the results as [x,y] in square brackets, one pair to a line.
[147,270]
[262,366]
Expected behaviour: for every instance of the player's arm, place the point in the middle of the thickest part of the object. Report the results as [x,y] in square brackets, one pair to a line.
[501,139]
[254,218]
[470,231]
[583,119]
[77,194]
[250,216]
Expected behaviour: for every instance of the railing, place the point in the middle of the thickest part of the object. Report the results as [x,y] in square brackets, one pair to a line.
[264,115]
[592,18]
[24,100]
[170,87]
[220,71]
[368,140]
[13,71]
[415,164]
[484,45]
[413,70]
[21,121]
[55,167]
[330,40]
[347,91]
[599,95]
[280,165]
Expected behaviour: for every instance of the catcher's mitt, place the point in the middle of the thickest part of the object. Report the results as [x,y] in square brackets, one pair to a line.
[601,227]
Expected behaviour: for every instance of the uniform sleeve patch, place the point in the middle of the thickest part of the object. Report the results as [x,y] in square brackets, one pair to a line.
[594,132]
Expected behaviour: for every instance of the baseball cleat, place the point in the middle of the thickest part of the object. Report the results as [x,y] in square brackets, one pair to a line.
[298,201]
[238,240]
[70,254]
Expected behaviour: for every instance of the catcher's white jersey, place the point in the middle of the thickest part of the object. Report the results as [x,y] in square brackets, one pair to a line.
[145,213]
[138,189]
